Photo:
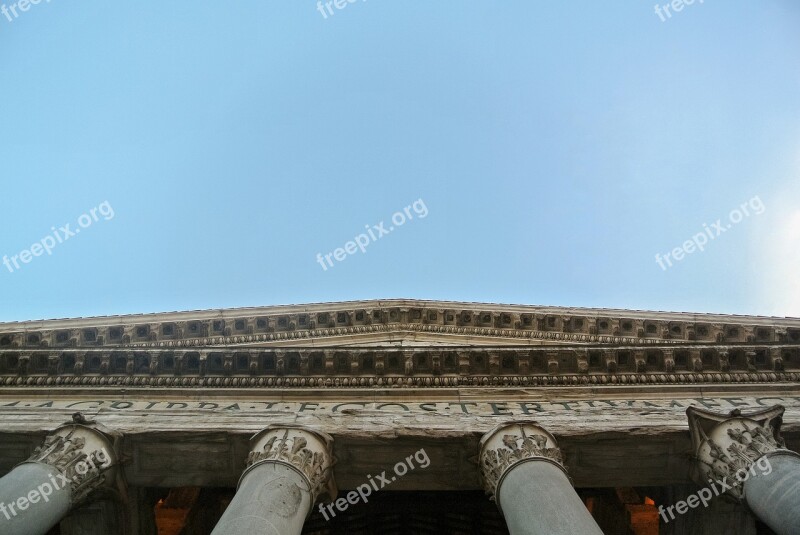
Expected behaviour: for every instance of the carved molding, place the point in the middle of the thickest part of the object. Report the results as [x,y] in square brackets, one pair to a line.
[425,366]
[727,444]
[443,381]
[412,327]
[510,444]
[84,455]
[155,340]
[331,320]
[309,452]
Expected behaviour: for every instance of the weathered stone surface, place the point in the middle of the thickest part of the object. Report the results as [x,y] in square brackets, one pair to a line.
[598,431]
[187,390]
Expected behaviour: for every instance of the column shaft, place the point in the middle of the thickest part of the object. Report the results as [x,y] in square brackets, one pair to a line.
[775,497]
[30,503]
[287,469]
[746,450]
[538,499]
[521,468]
[72,462]
[272,499]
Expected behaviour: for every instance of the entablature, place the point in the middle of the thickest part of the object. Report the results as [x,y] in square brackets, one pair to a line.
[401,366]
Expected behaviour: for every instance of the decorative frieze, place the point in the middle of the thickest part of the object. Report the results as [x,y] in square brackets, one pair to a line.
[307,451]
[640,361]
[251,366]
[408,360]
[726,446]
[582,359]
[775,359]
[510,444]
[382,381]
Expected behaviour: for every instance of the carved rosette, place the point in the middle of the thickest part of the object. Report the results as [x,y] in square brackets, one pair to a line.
[85,456]
[727,445]
[510,444]
[307,451]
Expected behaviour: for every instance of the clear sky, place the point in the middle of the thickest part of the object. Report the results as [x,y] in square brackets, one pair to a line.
[554,147]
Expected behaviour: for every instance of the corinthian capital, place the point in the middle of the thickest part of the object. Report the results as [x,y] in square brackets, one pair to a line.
[84,455]
[308,452]
[510,444]
[727,445]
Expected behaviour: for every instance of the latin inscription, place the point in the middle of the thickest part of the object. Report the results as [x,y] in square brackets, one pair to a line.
[499,408]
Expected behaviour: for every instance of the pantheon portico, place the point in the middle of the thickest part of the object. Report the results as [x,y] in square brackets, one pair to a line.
[401,416]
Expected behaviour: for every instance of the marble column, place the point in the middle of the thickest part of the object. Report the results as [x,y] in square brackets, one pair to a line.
[523,472]
[74,461]
[746,453]
[288,468]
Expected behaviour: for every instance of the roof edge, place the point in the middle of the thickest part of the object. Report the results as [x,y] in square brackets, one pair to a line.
[225,313]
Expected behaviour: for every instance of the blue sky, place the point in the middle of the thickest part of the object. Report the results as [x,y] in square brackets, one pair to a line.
[557,148]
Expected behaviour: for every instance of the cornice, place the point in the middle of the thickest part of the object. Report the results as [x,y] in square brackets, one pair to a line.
[543,381]
[399,343]
[229,313]
[400,328]
[514,322]
[311,367]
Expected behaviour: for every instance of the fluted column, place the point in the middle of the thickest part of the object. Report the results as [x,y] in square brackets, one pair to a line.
[73,461]
[747,454]
[288,468]
[522,470]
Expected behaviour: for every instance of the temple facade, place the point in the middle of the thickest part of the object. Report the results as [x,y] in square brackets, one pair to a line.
[401,417]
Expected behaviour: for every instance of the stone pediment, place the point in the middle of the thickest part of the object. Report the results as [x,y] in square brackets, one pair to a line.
[405,321]
[399,343]
[401,336]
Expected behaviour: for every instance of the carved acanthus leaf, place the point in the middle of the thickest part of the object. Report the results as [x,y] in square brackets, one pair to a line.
[82,454]
[726,446]
[309,452]
[510,444]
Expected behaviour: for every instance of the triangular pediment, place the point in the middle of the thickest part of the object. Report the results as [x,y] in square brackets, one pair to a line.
[406,338]
[398,343]
[396,322]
